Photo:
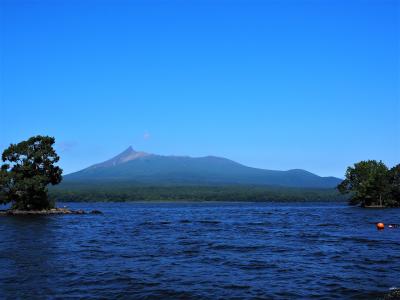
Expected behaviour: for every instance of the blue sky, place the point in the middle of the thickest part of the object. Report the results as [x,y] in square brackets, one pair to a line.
[270,84]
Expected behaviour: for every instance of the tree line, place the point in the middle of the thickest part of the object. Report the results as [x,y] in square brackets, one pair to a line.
[121,192]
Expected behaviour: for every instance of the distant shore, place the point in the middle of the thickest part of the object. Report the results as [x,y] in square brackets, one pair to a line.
[126,193]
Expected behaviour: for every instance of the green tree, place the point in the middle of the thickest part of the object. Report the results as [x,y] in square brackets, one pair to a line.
[28,168]
[394,181]
[368,183]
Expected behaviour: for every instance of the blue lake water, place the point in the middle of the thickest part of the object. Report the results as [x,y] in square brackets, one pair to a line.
[201,250]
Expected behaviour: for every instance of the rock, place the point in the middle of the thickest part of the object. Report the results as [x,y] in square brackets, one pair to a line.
[96,212]
[52,211]
[393,295]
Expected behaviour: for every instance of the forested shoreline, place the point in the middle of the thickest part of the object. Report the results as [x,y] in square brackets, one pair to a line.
[76,192]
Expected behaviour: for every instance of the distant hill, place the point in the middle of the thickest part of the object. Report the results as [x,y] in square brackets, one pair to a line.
[151,169]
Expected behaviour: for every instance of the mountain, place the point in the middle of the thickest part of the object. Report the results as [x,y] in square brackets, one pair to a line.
[151,169]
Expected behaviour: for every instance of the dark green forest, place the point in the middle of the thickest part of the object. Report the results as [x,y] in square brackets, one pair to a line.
[120,192]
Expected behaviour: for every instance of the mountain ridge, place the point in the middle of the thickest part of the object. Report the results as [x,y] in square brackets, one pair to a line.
[147,168]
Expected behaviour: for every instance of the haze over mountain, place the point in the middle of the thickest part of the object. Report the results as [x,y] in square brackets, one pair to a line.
[145,168]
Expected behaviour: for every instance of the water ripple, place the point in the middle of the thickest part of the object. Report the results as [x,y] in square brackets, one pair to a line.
[201,251]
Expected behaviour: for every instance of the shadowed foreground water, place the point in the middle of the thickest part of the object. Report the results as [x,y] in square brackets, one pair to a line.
[203,250]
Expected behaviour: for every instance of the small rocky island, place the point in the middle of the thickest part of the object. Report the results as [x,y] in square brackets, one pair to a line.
[43,212]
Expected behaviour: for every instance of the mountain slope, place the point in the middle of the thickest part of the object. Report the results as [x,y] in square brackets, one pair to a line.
[145,168]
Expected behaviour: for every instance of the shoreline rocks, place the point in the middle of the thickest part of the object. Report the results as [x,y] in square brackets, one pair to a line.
[52,211]
[394,294]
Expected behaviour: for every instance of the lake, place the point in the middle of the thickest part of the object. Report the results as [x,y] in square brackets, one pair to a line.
[201,250]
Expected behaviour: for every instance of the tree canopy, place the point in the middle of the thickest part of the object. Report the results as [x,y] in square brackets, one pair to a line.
[371,183]
[28,168]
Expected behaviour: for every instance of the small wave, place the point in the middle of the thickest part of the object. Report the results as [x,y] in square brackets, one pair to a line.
[257,265]
[149,223]
[259,223]
[377,261]
[236,248]
[236,287]
[328,225]
[184,221]
[209,222]
[146,223]
[360,240]
[191,252]
[164,222]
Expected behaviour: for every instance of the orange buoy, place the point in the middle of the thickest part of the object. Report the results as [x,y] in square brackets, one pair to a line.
[380,226]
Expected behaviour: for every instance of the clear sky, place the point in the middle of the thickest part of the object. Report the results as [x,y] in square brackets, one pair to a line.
[270,84]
